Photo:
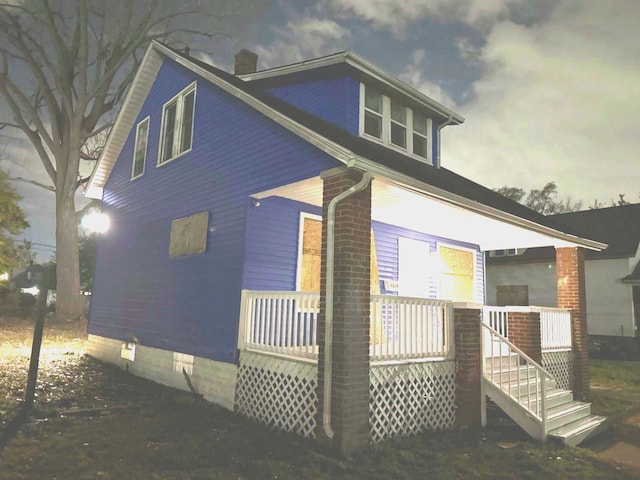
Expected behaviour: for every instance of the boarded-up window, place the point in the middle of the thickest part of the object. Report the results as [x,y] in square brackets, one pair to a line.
[311,245]
[189,235]
[512,295]
[456,280]
[310,258]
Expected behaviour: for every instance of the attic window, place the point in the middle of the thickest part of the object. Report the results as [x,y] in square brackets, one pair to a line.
[140,152]
[176,134]
[388,120]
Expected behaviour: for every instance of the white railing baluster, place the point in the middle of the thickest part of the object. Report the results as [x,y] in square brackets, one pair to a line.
[286,323]
[533,396]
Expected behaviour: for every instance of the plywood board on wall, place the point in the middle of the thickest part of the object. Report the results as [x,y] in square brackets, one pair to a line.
[189,235]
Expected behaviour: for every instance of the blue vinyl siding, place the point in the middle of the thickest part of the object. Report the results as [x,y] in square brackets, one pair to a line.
[434,144]
[272,247]
[273,228]
[334,100]
[189,304]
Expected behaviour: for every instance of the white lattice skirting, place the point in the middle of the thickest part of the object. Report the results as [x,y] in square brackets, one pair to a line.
[560,365]
[278,392]
[406,399]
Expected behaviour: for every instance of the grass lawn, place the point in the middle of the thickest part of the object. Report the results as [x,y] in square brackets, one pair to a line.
[94,421]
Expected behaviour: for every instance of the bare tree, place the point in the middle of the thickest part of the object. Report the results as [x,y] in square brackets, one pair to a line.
[543,200]
[66,65]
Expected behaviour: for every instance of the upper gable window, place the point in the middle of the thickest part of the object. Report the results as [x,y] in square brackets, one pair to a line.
[391,122]
[176,134]
[140,151]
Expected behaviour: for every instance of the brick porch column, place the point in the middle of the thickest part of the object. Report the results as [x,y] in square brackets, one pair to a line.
[524,332]
[572,294]
[466,324]
[351,304]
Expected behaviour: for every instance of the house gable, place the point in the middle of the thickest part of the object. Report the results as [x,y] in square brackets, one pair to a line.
[189,303]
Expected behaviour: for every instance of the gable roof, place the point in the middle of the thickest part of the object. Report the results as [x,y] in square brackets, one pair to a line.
[351,150]
[619,227]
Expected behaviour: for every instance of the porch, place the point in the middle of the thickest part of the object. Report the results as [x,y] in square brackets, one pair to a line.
[413,380]
[380,250]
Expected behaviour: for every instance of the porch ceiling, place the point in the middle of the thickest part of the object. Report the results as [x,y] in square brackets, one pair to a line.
[397,205]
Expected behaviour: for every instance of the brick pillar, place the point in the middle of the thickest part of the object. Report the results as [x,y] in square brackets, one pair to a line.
[351,304]
[524,333]
[466,324]
[572,294]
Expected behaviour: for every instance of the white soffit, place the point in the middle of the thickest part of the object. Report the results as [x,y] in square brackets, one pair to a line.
[397,206]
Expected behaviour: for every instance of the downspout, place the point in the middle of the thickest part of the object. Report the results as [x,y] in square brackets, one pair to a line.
[449,121]
[328,328]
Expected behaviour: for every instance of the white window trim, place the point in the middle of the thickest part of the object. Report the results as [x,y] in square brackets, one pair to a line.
[303,216]
[135,149]
[177,140]
[386,129]
[475,266]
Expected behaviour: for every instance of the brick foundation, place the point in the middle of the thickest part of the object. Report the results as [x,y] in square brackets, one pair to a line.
[524,333]
[572,294]
[466,323]
[350,365]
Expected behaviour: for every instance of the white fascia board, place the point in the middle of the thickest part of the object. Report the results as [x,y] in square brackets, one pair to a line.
[402,180]
[368,68]
[136,95]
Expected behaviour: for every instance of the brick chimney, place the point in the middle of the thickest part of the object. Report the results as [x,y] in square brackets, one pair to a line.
[246,62]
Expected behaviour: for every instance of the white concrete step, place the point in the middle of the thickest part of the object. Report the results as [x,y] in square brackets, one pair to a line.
[578,431]
[566,413]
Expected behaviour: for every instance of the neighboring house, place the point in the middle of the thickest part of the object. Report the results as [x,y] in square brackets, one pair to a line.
[288,240]
[612,275]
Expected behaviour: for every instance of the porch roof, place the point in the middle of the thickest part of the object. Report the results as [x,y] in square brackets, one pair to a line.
[424,211]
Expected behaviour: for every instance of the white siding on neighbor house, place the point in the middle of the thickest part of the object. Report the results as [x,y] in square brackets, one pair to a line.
[540,277]
[609,302]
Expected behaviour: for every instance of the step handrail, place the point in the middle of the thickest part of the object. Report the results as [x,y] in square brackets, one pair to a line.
[517,350]
[540,412]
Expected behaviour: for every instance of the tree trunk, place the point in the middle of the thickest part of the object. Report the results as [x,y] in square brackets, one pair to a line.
[68,299]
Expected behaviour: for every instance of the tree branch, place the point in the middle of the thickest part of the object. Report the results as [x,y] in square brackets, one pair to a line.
[33,182]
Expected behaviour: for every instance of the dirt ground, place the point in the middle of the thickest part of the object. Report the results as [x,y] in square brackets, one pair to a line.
[94,421]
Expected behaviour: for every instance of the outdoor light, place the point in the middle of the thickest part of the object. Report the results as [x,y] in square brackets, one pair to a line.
[96,222]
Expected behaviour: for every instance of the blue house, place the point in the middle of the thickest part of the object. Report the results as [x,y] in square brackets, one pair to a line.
[288,240]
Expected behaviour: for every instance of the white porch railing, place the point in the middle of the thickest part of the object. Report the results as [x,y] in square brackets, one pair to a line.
[497,318]
[555,324]
[555,328]
[284,323]
[410,328]
[402,328]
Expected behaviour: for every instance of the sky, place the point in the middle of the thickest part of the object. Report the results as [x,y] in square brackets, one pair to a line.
[550,89]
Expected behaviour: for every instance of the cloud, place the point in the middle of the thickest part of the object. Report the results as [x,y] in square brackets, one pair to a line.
[556,101]
[397,15]
[413,75]
[300,39]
